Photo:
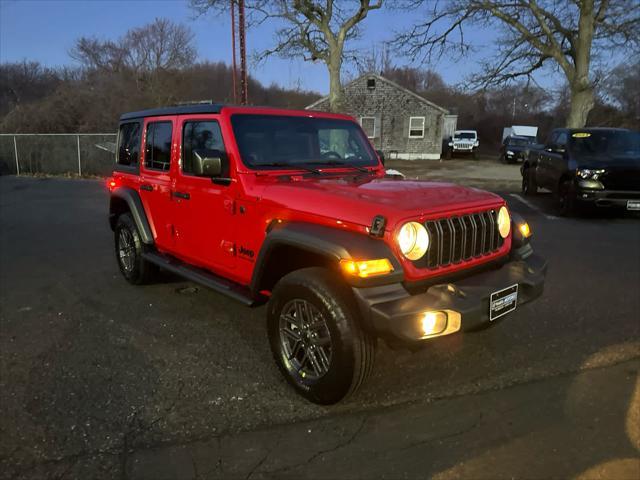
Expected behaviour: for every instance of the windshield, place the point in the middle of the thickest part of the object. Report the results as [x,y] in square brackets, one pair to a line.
[273,141]
[520,142]
[469,135]
[605,142]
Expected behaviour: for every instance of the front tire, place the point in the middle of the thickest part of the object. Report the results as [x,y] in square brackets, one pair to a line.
[566,199]
[315,336]
[129,248]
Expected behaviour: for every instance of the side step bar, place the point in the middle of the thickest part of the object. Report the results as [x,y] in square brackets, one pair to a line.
[205,278]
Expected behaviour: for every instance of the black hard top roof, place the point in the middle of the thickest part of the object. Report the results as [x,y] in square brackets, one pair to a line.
[177,110]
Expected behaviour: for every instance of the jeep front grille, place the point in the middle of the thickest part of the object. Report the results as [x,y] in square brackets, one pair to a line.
[460,239]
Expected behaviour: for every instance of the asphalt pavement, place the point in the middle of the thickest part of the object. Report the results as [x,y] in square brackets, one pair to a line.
[101,379]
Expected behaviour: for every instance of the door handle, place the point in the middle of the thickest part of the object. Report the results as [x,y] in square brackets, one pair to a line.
[183,195]
[146,187]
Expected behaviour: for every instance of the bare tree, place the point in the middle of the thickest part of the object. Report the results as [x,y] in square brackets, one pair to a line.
[376,60]
[562,34]
[314,30]
[160,45]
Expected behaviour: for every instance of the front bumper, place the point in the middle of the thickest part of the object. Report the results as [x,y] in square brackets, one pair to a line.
[606,198]
[392,312]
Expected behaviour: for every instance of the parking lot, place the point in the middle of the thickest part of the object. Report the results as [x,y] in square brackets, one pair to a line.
[100,379]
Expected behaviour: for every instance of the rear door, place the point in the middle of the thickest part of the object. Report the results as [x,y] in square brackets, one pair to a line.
[155,178]
[204,210]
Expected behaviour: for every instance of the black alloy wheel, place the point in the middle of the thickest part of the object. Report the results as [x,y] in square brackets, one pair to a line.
[315,335]
[129,249]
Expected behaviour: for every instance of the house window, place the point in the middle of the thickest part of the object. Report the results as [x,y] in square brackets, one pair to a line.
[369,126]
[416,127]
[371,83]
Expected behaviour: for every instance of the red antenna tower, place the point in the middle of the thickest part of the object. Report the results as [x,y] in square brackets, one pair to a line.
[233,48]
[244,93]
[244,90]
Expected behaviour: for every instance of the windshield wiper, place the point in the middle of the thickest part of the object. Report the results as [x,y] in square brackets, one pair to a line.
[293,166]
[338,163]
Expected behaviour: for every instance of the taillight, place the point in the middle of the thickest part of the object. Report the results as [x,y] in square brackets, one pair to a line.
[111,183]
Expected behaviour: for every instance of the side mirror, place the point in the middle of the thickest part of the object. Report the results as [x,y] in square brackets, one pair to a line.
[381,155]
[207,163]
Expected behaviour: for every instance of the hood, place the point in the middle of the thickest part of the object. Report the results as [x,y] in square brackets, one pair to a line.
[357,200]
[631,161]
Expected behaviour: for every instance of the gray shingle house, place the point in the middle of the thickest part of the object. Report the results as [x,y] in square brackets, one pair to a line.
[397,121]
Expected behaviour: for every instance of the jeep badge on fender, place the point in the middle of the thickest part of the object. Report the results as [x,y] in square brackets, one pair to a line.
[341,255]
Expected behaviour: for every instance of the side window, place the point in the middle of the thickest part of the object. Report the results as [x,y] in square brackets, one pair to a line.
[416,127]
[368,124]
[205,135]
[553,138]
[562,139]
[157,151]
[129,144]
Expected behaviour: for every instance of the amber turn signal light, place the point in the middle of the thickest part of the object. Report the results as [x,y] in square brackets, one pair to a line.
[366,268]
[524,229]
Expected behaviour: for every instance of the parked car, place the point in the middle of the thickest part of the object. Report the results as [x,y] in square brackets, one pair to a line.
[515,149]
[463,141]
[587,166]
[294,209]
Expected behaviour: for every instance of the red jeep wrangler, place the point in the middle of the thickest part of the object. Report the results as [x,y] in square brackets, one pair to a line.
[293,209]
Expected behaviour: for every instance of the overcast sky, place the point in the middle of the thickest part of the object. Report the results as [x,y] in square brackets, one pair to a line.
[45,30]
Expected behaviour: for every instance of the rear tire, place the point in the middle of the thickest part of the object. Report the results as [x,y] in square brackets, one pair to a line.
[315,336]
[129,249]
[529,184]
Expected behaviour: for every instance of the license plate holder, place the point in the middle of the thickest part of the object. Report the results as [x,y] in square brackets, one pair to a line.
[633,204]
[503,301]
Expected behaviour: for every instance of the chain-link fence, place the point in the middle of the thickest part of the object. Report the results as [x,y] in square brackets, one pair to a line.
[57,153]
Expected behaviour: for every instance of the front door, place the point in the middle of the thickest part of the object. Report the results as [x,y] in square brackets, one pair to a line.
[155,178]
[557,161]
[542,166]
[204,210]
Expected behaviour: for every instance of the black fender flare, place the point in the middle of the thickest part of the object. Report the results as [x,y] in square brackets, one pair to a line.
[134,202]
[331,243]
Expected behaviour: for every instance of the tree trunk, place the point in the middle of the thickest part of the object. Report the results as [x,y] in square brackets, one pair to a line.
[581,88]
[581,104]
[335,85]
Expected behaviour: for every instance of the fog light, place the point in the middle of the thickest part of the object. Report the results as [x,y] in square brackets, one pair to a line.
[433,323]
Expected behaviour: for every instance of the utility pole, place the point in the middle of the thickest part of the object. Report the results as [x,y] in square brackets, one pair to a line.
[233,48]
[243,54]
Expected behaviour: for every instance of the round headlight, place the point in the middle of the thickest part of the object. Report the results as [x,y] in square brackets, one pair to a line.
[413,240]
[504,222]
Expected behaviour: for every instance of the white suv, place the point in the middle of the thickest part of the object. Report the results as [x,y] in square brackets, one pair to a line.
[463,141]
